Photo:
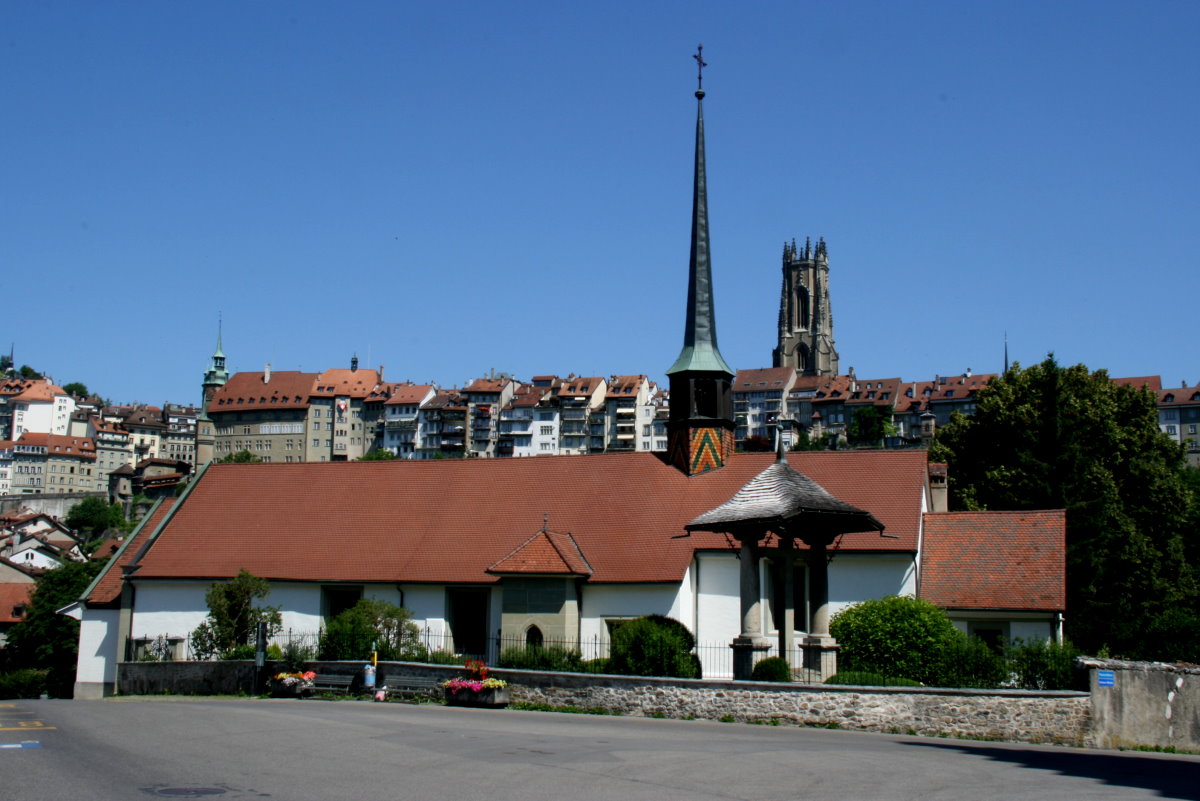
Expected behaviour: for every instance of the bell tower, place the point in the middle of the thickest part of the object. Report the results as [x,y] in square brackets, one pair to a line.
[700,426]
[214,378]
[805,315]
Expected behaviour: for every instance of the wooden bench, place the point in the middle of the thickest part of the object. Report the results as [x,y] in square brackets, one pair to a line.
[405,686]
[332,683]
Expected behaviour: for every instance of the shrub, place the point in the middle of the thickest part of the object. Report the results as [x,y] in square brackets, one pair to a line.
[598,665]
[233,618]
[773,668]
[654,645]
[1039,665]
[25,683]
[551,657]
[863,679]
[896,636]
[387,627]
[441,658]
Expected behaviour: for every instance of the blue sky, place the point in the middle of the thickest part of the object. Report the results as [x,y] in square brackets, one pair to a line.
[446,188]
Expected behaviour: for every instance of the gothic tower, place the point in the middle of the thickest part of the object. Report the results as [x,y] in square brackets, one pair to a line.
[214,378]
[805,315]
[700,426]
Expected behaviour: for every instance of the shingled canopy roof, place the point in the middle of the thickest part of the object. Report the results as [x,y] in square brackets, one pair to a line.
[782,500]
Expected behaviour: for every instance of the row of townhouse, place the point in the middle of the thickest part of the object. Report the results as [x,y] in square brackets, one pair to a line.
[36,405]
[824,406]
[97,443]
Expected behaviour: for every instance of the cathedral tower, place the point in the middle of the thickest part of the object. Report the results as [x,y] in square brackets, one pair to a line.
[805,315]
[700,426]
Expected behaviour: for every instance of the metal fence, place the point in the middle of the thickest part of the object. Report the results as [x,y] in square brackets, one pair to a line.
[586,655]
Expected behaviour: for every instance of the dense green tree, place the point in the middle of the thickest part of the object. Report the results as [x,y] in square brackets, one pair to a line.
[654,645]
[756,443]
[240,457]
[377,455]
[45,639]
[233,618]
[91,517]
[29,373]
[868,426]
[76,389]
[372,623]
[1053,437]
[803,442]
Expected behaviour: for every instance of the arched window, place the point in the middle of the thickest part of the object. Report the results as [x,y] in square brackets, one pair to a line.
[802,306]
[533,637]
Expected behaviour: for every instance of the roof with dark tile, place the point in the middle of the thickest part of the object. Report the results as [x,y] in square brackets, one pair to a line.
[449,520]
[995,560]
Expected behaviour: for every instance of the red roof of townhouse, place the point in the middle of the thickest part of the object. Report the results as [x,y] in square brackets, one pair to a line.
[1150,382]
[581,387]
[763,378]
[60,444]
[995,560]
[283,389]
[408,393]
[39,391]
[1179,397]
[449,520]
[14,600]
[346,381]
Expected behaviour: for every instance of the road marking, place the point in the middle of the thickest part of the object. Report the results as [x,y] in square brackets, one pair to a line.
[30,744]
[26,725]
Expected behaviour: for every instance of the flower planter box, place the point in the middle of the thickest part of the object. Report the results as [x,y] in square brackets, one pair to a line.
[297,690]
[496,698]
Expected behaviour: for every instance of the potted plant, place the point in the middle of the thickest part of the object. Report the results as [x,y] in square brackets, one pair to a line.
[292,685]
[477,688]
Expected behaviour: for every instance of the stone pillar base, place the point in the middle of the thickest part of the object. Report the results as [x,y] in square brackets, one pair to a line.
[746,652]
[820,655]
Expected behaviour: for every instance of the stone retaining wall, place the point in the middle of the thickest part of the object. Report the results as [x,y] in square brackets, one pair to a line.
[1009,715]
[1145,704]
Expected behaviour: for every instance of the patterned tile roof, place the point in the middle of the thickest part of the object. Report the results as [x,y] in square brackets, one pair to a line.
[450,520]
[995,560]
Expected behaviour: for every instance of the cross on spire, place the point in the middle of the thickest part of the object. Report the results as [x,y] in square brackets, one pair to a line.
[700,65]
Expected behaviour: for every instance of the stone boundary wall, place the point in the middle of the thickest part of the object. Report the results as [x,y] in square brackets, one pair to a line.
[1145,704]
[1008,715]
[54,504]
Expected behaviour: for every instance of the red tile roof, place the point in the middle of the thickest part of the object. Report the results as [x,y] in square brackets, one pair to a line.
[408,393]
[763,378]
[107,589]
[995,560]
[344,381]
[1151,382]
[547,552]
[247,392]
[11,597]
[449,520]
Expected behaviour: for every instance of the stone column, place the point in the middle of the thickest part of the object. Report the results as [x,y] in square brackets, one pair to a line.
[787,622]
[820,649]
[750,644]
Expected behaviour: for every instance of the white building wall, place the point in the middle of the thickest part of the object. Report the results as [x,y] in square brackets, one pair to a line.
[96,666]
[172,609]
[605,601]
[859,577]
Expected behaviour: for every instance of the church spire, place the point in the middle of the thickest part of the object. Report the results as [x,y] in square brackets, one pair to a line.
[700,350]
[700,428]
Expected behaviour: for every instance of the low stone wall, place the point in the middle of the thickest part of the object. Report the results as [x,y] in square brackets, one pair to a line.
[1145,704]
[1010,715]
[187,678]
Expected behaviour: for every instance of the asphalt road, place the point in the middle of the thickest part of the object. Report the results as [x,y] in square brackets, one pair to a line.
[320,750]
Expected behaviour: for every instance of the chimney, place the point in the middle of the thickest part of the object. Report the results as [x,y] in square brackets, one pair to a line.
[267,374]
[939,493]
[354,364]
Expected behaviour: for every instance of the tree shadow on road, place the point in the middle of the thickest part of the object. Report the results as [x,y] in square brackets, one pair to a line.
[1170,777]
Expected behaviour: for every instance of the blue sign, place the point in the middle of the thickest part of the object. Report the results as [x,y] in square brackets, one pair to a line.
[1106,678]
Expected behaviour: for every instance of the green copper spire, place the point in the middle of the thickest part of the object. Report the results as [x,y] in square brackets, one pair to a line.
[700,352]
